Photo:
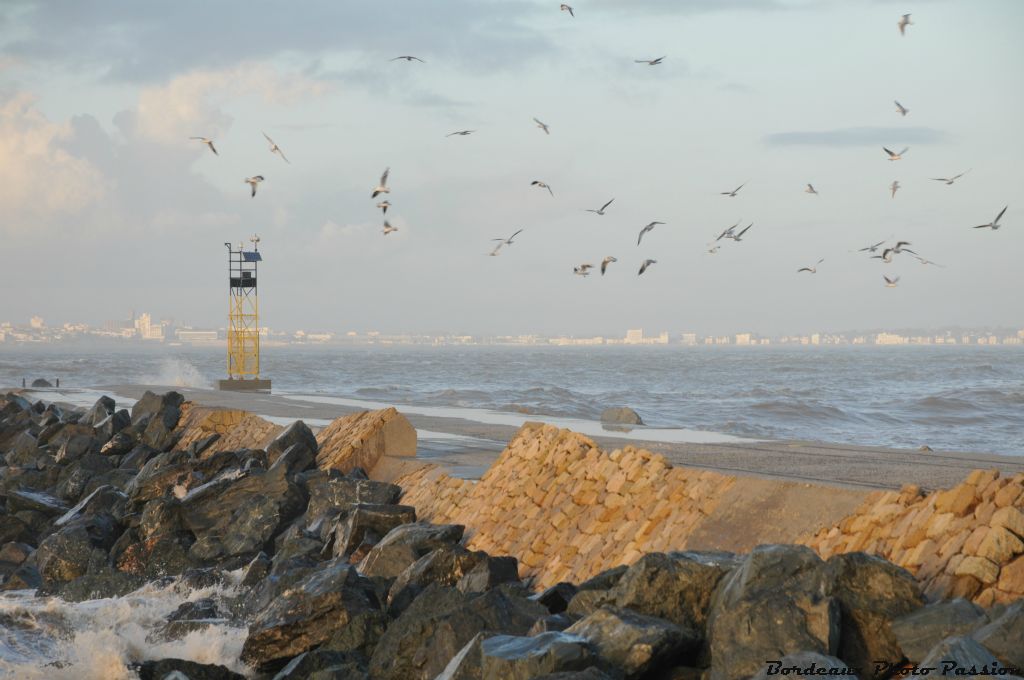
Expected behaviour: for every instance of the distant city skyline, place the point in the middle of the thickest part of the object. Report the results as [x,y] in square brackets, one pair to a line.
[108,204]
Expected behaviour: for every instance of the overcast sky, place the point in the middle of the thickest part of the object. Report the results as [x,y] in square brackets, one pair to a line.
[106,206]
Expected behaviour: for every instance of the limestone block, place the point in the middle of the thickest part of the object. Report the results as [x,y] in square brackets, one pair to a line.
[1011,577]
[1008,495]
[974,540]
[1009,517]
[360,439]
[959,500]
[999,545]
[983,570]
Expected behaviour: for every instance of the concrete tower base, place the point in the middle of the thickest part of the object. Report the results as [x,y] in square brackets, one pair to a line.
[236,385]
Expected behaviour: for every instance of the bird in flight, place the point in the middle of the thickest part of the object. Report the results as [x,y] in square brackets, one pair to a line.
[253,181]
[898,248]
[994,224]
[894,187]
[646,229]
[508,241]
[895,156]
[890,283]
[274,148]
[494,253]
[600,211]
[739,237]
[900,108]
[649,62]
[409,57]
[382,188]
[645,265]
[728,233]
[542,126]
[903,23]
[810,189]
[461,133]
[207,142]
[713,249]
[566,8]
[384,205]
[582,270]
[388,228]
[813,270]
[872,248]
[949,180]
[542,185]
[924,261]
[734,191]
[605,262]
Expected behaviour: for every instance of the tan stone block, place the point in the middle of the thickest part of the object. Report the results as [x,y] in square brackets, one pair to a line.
[981,478]
[1010,518]
[983,513]
[959,500]
[908,493]
[954,543]
[1011,577]
[940,587]
[985,598]
[999,545]
[953,563]
[974,540]
[924,551]
[985,571]
[938,525]
[1008,495]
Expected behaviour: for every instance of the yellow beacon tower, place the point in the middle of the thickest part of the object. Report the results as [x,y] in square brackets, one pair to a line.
[243,320]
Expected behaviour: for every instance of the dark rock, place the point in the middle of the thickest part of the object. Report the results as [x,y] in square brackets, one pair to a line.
[524,658]
[100,411]
[1004,634]
[360,636]
[296,541]
[807,663]
[330,493]
[189,617]
[557,597]
[160,475]
[552,623]
[592,673]
[118,445]
[405,544]
[23,451]
[321,664]
[66,554]
[606,580]
[163,412]
[112,425]
[75,478]
[439,623]
[306,615]
[445,566]
[918,632]
[588,601]
[75,447]
[256,570]
[197,448]
[636,643]
[152,404]
[104,499]
[41,382]
[622,415]
[164,669]
[295,459]
[369,523]
[28,499]
[98,586]
[490,572]
[963,652]
[12,554]
[14,529]
[25,577]
[296,433]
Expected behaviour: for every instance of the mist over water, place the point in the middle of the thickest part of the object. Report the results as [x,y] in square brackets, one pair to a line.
[958,398]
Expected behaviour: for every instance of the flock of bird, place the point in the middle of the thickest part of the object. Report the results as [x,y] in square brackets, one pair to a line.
[730,233]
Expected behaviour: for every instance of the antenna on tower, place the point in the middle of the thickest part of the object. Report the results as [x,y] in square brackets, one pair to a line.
[255,240]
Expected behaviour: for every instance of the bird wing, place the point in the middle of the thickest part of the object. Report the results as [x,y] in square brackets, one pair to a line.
[888,151]
[515,234]
[744,230]
[281,154]
[212,148]
[641,236]
[607,204]
[384,177]
[253,185]
[803,269]
[996,220]
[905,149]
[269,139]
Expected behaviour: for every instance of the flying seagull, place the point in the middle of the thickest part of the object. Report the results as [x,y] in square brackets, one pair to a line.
[810,189]
[646,229]
[900,108]
[542,185]
[494,253]
[950,180]
[713,249]
[582,270]
[728,233]
[813,270]
[274,148]
[890,283]
[734,191]
[462,133]
[382,188]
[388,228]
[508,241]
[566,8]
[894,187]
[207,142]
[739,237]
[542,126]
[253,181]
[645,265]
[384,205]
[600,211]
[408,57]
[872,248]
[898,248]
[903,23]
[649,62]
[885,257]
[924,261]
[994,224]
[895,156]
[605,262]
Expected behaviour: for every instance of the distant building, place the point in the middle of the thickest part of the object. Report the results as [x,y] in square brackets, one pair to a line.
[36,322]
[743,339]
[191,335]
[147,329]
[688,338]
[634,336]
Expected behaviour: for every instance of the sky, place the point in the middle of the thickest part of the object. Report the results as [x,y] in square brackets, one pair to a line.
[106,206]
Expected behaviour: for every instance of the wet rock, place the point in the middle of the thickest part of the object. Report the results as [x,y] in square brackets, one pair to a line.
[66,554]
[321,664]
[298,433]
[918,632]
[102,409]
[98,586]
[28,499]
[12,555]
[104,499]
[871,593]
[557,597]
[445,566]
[622,415]
[636,643]
[189,617]
[333,493]
[962,652]
[118,445]
[405,544]
[112,425]
[489,573]
[163,412]
[306,615]
[23,451]
[553,623]
[295,459]
[14,529]
[159,476]
[805,663]
[75,447]
[360,637]
[75,478]
[1003,635]
[508,657]
[25,577]
[368,523]
[168,669]
[256,570]
[439,623]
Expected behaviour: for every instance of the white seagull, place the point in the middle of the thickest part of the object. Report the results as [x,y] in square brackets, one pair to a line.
[461,133]
[894,187]
[494,253]
[890,283]
[566,8]
[384,205]
[542,126]
[409,58]
[810,189]
[924,261]
[739,237]
[895,156]
[208,142]
[646,229]
[600,211]
[728,233]
[900,108]
[903,23]
[382,188]
[542,185]
[645,265]
[388,228]
[872,248]
[994,224]
[734,191]
[949,180]
[253,181]
[713,249]
[813,270]
[607,261]
[649,62]
[582,270]
[274,148]
[508,241]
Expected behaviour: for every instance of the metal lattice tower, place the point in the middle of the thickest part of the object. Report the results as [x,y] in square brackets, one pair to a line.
[243,319]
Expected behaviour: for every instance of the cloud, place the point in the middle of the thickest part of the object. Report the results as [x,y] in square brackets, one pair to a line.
[857,136]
